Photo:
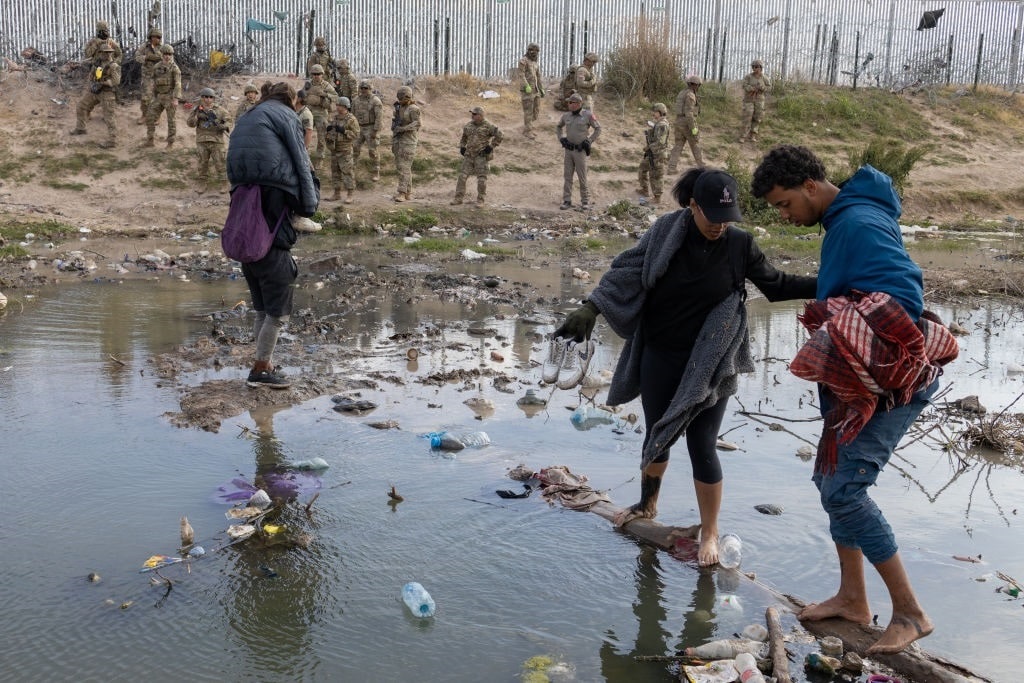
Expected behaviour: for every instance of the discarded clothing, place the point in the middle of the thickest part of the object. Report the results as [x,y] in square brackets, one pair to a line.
[571,490]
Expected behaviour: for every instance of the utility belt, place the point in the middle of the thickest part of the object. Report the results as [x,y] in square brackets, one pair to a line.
[573,147]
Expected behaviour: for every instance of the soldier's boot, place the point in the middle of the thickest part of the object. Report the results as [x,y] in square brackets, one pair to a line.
[78,131]
[480,200]
[349,198]
[337,195]
[201,185]
[656,200]
[457,200]
[170,143]
[149,142]
[376,173]
[400,197]
[642,191]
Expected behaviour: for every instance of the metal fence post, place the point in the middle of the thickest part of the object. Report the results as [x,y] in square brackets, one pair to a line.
[856,60]
[977,66]
[785,41]
[949,60]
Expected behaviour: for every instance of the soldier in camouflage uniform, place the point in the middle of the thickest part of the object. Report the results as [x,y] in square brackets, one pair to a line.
[212,124]
[148,55]
[531,88]
[405,128]
[586,81]
[346,84]
[102,37]
[574,132]
[755,85]
[306,119]
[320,98]
[369,111]
[321,57]
[252,96]
[101,86]
[652,166]
[164,96]
[687,109]
[342,131]
[479,138]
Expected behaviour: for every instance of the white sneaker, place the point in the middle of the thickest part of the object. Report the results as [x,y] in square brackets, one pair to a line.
[303,224]
[553,363]
[574,366]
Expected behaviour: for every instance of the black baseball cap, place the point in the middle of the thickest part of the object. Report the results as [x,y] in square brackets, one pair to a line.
[718,197]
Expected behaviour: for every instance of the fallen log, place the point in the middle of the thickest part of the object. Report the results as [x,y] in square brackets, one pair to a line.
[913,664]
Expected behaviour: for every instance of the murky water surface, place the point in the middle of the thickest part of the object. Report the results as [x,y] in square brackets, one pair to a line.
[95,480]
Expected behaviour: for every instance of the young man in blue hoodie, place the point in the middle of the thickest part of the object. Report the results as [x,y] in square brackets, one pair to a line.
[862,250]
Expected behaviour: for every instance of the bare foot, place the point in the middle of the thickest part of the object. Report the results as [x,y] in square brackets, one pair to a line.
[855,611]
[901,632]
[707,554]
[627,515]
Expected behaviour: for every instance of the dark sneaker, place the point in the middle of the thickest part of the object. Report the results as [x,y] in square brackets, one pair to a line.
[267,379]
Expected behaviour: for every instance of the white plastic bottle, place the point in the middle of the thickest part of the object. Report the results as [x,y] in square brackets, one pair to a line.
[418,600]
[724,649]
[591,415]
[746,665]
[730,549]
[447,441]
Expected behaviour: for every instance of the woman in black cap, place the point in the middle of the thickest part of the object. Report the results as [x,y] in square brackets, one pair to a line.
[678,299]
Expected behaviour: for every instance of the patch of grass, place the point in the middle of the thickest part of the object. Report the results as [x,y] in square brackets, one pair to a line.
[619,209]
[49,229]
[12,252]
[512,168]
[436,244]
[843,114]
[643,63]
[411,219]
[893,159]
[95,164]
[58,185]
[164,183]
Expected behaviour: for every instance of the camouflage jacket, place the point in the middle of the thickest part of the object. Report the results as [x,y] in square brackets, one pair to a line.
[369,112]
[477,136]
[586,81]
[167,80]
[529,78]
[687,109]
[148,56]
[320,98]
[754,87]
[108,76]
[342,131]
[576,126]
[406,124]
[347,85]
[324,59]
[92,50]
[210,124]
[656,138]
[243,107]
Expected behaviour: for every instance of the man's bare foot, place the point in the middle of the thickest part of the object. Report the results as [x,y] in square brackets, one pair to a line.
[901,632]
[627,515]
[707,554]
[852,610]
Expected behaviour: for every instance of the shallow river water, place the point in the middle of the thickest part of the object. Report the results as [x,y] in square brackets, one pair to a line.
[95,480]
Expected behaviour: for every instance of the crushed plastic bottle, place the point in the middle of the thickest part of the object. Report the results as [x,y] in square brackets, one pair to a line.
[746,665]
[725,649]
[311,464]
[447,441]
[587,417]
[730,549]
[418,600]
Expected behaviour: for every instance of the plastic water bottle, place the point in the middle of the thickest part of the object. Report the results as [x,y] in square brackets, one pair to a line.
[448,441]
[746,665]
[585,417]
[730,549]
[724,649]
[418,600]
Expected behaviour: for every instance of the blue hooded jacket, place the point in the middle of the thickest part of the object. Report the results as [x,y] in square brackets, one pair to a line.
[863,248]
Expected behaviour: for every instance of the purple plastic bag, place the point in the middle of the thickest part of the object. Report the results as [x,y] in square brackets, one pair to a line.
[246,237]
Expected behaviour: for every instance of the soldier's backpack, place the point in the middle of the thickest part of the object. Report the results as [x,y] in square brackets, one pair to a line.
[566,87]
[246,236]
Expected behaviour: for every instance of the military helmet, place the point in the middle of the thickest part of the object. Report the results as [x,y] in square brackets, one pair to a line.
[102,26]
[404,93]
[343,64]
[106,47]
[694,79]
[207,92]
[364,85]
[320,42]
[167,49]
[591,57]
[316,69]
[301,95]
[533,47]
[250,88]
[344,102]
[155,33]
[575,97]
[757,62]
[660,108]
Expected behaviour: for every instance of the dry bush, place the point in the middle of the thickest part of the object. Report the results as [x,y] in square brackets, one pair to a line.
[461,83]
[643,65]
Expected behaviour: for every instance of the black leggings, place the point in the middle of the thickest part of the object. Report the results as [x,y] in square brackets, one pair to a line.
[660,374]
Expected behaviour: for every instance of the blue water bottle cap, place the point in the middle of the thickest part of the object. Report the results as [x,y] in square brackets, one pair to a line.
[435,440]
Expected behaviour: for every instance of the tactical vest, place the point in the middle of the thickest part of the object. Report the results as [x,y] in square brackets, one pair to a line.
[163,79]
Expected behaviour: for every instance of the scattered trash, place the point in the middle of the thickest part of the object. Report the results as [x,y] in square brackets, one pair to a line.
[832,646]
[260,499]
[272,529]
[531,399]
[488,95]
[158,562]
[822,664]
[93,577]
[127,603]
[418,600]
[187,533]
[311,464]
[238,532]
[196,551]
[746,665]
[506,493]
[586,417]
[730,549]
[471,255]
[730,601]
[721,671]
[412,354]
[756,632]
[723,445]
[447,441]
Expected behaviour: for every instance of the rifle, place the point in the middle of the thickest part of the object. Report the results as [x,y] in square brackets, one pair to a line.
[394,119]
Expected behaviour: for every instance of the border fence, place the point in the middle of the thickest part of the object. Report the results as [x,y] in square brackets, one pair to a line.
[883,43]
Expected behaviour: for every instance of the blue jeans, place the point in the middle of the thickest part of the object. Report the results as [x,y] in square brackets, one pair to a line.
[854,519]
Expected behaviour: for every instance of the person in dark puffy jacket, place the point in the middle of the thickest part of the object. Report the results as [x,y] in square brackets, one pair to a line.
[267,149]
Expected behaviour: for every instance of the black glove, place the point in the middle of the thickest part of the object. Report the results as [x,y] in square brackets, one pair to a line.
[565,143]
[579,324]
[94,88]
[648,154]
[462,151]
[586,147]
[487,150]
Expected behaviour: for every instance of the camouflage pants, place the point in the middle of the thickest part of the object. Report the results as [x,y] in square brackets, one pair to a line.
[685,135]
[404,151]
[652,173]
[531,110]
[575,163]
[107,101]
[341,169]
[158,105]
[477,165]
[147,92]
[588,101]
[207,153]
[369,137]
[319,153]
[753,114]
